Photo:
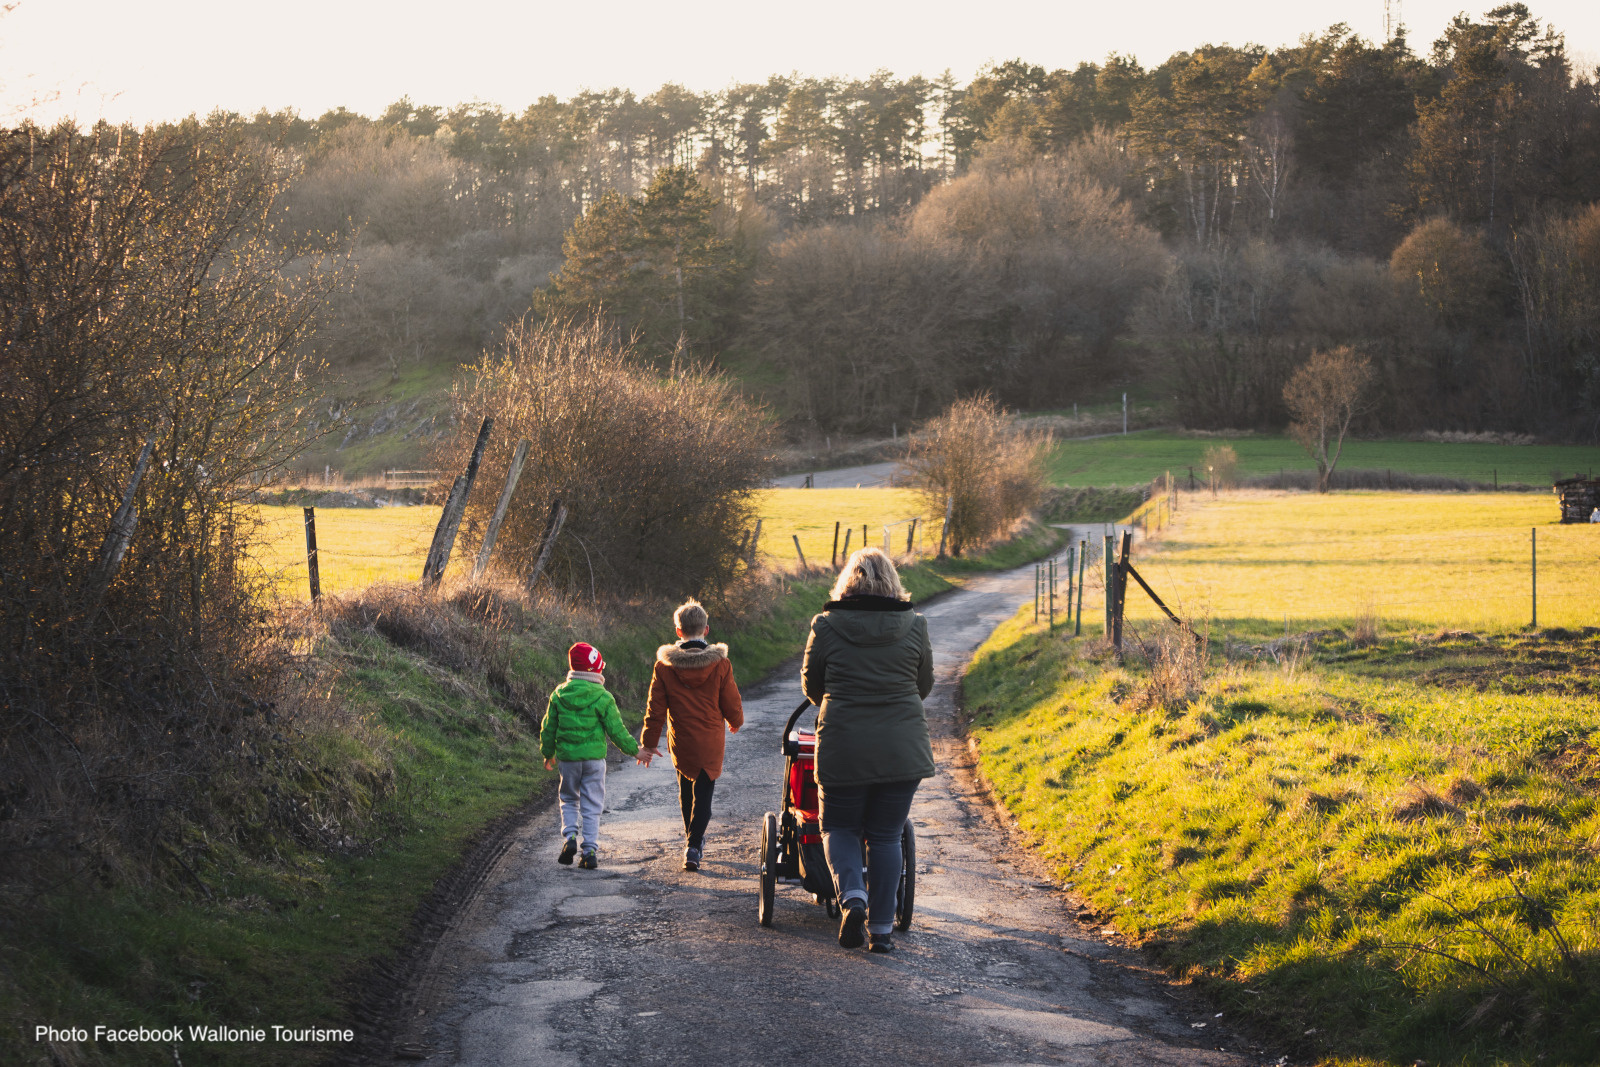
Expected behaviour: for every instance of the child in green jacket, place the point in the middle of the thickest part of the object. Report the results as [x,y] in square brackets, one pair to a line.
[581,715]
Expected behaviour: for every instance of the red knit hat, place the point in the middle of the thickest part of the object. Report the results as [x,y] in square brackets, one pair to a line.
[585,657]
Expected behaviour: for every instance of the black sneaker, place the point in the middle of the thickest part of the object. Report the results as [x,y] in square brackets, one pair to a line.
[691,859]
[880,942]
[589,862]
[568,850]
[851,925]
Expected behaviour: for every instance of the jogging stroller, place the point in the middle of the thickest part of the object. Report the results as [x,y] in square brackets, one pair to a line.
[791,839]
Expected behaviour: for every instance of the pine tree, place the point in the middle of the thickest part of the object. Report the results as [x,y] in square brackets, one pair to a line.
[655,264]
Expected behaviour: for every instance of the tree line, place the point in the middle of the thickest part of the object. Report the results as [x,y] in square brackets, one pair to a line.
[873,248]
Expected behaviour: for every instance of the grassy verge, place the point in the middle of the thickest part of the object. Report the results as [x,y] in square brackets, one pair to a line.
[443,697]
[1138,457]
[1379,852]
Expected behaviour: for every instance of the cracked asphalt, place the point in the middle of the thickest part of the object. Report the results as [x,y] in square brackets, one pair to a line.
[643,963]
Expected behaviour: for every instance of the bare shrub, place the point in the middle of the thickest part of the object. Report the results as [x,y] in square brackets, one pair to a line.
[658,473]
[143,295]
[974,458]
[1179,661]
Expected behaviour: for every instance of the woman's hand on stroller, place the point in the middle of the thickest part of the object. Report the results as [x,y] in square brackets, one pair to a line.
[647,754]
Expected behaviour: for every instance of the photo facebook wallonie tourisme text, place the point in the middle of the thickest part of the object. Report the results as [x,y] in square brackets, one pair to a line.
[198,1034]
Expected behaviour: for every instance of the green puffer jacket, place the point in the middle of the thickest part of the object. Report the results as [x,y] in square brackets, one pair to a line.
[868,665]
[579,718]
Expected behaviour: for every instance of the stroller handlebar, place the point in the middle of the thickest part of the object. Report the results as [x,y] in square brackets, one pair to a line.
[791,748]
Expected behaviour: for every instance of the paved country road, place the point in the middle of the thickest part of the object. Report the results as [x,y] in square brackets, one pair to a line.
[641,962]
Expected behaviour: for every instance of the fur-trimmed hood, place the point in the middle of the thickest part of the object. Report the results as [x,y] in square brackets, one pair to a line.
[687,659]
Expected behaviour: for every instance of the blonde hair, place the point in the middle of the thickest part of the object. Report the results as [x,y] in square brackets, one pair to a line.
[691,618]
[868,572]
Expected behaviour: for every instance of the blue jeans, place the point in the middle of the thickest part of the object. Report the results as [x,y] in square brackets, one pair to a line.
[583,797]
[876,815]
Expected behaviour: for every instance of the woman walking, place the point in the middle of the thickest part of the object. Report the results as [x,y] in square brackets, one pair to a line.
[868,666]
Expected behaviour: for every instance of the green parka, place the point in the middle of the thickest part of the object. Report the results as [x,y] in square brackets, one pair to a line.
[580,716]
[868,665]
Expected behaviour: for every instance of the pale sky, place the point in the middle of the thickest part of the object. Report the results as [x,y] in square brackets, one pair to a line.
[148,60]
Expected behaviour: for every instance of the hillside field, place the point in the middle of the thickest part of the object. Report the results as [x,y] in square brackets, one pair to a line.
[1142,455]
[359,546]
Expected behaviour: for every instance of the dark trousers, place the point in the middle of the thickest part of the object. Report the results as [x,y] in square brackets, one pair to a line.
[875,816]
[694,797]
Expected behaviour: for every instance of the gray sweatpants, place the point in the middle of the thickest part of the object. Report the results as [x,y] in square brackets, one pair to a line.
[583,797]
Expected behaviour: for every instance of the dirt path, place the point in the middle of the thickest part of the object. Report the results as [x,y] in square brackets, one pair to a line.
[642,963]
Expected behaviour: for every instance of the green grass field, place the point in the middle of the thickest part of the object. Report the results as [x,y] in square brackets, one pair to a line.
[1378,847]
[1141,456]
[359,546]
[1458,560]
[1379,854]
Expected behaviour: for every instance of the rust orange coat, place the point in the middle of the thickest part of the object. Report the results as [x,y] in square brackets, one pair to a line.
[693,697]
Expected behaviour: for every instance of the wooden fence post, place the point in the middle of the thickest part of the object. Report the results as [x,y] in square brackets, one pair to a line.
[1108,564]
[799,553]
[944,531]
[455,505]
[1052,580]
[1122,589]
[120,536]
[518,458]
[1083,558]
[1036,594]
[1072,555]
[1533,542]
[847,533]
[552,530]
[755,543]
[834,559]
[911,536]
[311,555]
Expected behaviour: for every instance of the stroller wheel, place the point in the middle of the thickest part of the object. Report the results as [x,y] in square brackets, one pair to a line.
[833,907]
[906,892]
[767,863]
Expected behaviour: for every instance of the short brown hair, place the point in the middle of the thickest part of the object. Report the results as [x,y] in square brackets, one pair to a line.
[868,572]
[691,618]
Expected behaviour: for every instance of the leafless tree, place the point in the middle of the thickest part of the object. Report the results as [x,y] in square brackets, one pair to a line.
[1323,396]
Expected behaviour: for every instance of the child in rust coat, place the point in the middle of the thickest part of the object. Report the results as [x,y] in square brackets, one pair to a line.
[692,695]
